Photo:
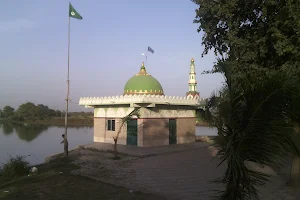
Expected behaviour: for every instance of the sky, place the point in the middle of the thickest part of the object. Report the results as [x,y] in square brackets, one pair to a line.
[105,50]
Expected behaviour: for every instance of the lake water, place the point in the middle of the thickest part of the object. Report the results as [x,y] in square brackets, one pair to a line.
[40,141]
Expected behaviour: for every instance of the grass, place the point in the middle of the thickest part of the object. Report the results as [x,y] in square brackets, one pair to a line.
[54,181]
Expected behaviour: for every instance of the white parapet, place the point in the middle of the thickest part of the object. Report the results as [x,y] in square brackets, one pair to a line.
[137,99]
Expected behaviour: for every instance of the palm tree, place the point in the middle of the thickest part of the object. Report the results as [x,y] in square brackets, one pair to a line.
[295,172]
[124,120]
[256,123]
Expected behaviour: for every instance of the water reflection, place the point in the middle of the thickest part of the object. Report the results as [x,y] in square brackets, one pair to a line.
[29,132]
[26,133]
[39,141]
[7,128]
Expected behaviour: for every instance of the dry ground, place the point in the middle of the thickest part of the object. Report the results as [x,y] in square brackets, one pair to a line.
[54,182]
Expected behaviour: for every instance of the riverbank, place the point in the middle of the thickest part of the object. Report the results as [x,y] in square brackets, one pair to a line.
[54,180]
[57,121]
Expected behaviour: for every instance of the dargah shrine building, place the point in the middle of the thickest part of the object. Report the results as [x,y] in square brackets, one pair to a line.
[163,119]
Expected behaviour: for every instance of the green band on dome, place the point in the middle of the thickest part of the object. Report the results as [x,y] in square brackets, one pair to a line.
[143,83]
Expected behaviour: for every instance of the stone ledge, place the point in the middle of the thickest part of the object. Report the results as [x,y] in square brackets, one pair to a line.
[128,99]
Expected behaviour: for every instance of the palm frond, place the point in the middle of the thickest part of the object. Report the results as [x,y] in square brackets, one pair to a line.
[258,127]
[124,120]
[133,113]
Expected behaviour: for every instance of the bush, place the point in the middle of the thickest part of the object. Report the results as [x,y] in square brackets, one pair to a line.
[15,167]
[15,117]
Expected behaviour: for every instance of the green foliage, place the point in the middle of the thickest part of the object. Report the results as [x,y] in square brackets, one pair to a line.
[255,35]
[257,125]
[30,111]
[15,117]
[7,111]
[14,168]
[81,114]
[257,44]
[134,113]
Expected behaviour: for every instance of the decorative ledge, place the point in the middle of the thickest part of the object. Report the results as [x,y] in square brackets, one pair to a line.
[129,99]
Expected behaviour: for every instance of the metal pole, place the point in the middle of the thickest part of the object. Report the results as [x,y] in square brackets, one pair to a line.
[146,62]
[68,88]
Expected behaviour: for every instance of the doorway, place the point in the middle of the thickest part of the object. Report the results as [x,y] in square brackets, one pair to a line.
[132,132]
[172,131]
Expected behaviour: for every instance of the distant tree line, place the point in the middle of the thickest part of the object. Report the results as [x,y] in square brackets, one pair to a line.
[30,111]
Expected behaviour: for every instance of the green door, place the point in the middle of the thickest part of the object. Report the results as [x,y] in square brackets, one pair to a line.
[172,131]
[132,132]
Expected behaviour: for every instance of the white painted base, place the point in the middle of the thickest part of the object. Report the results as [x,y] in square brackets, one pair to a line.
[109,140]
[155,143]
[98,139]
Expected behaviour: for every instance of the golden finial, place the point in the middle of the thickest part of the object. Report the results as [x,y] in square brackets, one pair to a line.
[192,60]
[143,69]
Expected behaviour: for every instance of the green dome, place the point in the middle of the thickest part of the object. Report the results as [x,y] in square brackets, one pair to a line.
[143,83]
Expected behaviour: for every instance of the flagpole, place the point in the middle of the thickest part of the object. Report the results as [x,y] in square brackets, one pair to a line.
[146,58]
[68,92]
[146,62]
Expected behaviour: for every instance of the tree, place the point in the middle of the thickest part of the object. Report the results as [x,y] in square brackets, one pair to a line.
[51,113]
[253,35]
[124,120]
[8,111]
[42,111]
[259,129]
[45,112]
[257,44]
[28,111]
[58,113]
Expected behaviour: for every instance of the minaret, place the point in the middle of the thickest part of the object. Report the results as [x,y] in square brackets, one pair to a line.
[192,81]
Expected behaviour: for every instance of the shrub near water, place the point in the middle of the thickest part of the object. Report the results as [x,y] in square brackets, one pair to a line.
[15,167]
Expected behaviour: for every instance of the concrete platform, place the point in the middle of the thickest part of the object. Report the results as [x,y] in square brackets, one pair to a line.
[179,172]
[147,151]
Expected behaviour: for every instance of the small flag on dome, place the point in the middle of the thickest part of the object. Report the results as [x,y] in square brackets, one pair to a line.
[150,49]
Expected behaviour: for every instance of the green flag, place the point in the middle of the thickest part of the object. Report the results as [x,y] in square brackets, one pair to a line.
[73,13]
